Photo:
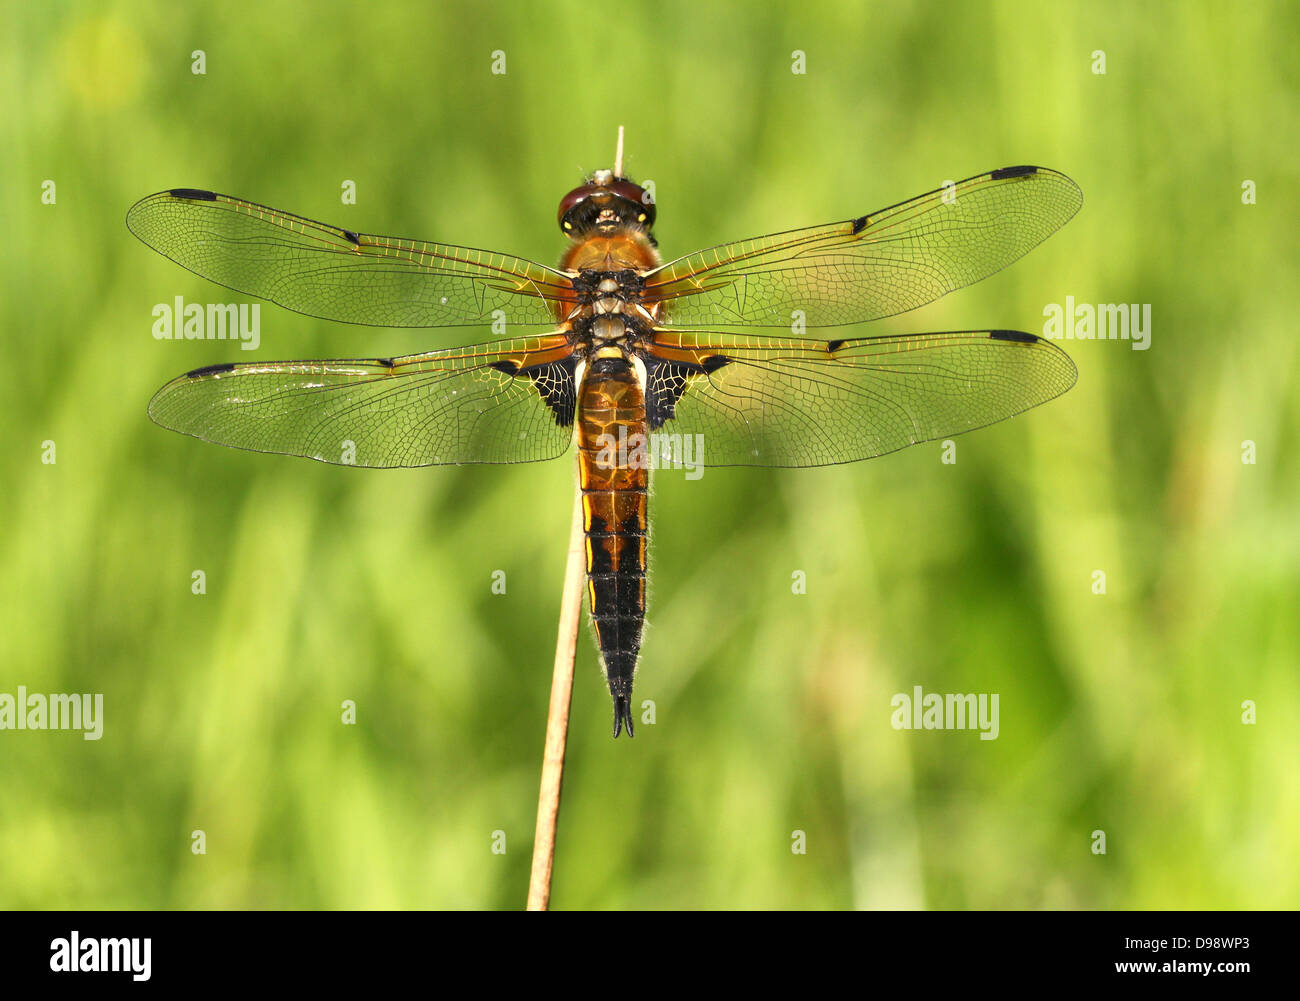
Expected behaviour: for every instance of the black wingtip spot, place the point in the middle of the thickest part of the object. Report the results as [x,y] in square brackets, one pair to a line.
[220,369]
[714,362]
[1014,335]
[508,367]
[1022,171]
[833,346]
[352,237]
[860,224]
[194,194]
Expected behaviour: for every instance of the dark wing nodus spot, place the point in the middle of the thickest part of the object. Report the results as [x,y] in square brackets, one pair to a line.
[196,194]
[833,346]
[352,237]
[860,224]
[1022,171]
[199,373]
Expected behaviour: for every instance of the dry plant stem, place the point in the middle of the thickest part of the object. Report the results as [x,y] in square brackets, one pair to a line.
[557,720]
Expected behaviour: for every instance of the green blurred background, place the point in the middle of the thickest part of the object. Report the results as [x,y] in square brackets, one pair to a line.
[1119,712]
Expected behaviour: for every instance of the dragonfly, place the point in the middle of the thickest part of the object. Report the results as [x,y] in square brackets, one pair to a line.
[615,348]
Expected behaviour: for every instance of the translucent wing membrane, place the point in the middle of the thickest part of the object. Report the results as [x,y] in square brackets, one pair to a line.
[337,274]
[873,266]
[756,400]
[767,401]
[510,401]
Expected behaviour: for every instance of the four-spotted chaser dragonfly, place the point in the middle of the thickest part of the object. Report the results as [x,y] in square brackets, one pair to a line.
[616,346]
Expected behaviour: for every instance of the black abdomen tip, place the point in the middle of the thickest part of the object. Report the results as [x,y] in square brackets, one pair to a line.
[623,715]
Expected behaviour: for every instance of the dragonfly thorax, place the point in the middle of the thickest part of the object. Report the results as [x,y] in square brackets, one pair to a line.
[605,292]
[609,309]
[608,329]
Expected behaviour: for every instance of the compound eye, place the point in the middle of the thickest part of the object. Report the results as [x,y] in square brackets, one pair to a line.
[632,192]
[638,195]
[571,199]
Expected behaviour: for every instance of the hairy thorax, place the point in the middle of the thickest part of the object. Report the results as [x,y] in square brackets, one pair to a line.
[608,288]
[620,251]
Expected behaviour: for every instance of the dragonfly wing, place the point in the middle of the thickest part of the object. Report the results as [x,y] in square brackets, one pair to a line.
[509,401]
[767,401]
[877,265]
[337,274]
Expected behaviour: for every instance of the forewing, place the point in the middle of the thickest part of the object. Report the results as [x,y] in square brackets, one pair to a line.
[337,274]
[876,265]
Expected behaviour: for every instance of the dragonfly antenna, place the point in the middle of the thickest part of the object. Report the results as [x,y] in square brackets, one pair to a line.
[618,154]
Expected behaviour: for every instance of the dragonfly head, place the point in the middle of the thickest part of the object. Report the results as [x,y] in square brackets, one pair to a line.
[604,204]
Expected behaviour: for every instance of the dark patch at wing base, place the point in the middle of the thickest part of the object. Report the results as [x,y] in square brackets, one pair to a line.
[555,383]
[666,381]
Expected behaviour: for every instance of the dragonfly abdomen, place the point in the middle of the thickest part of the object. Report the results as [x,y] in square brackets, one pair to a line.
[614,477]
